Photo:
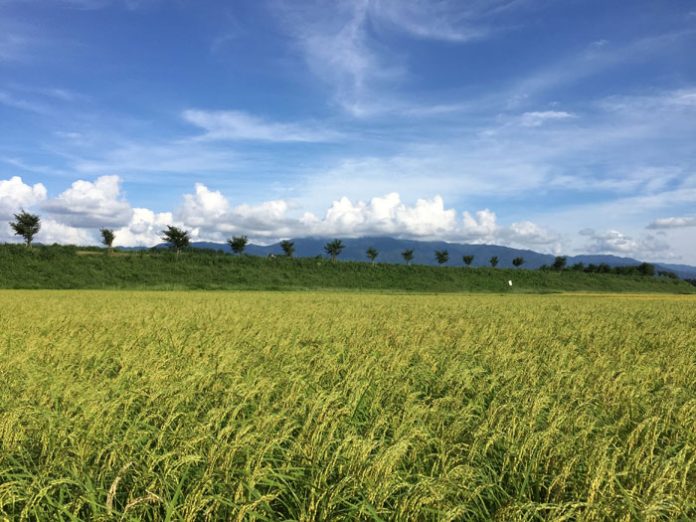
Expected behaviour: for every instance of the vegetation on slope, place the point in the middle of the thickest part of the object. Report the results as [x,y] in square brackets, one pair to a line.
[66,267]
[324,406]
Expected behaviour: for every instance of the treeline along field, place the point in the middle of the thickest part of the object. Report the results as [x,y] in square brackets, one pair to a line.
[58,267]
[346,406]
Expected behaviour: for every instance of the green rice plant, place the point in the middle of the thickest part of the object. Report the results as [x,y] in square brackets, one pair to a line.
[346,406]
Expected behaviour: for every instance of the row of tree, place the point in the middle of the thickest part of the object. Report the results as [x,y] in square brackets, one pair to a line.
[180,239]
[28,225]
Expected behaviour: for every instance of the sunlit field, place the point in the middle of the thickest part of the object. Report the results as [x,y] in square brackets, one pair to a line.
[346,406]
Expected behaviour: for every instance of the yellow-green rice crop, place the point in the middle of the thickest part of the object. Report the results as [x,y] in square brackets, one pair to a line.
[345,406]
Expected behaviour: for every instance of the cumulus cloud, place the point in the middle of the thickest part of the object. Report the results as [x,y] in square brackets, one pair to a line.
[616,242]
[53,231]
[89,204]
[237,125]
[210,215]
[529,234]
[144,229]
[267,219]
[672,222]
[385,215]
[15,194]
[75,214]
[204,207]
[483,226]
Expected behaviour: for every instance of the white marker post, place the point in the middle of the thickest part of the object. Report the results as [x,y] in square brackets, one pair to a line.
[510,282]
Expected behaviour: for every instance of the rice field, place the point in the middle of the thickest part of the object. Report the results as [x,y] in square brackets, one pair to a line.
[346,406]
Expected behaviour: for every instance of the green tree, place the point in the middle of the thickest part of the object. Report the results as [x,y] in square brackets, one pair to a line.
[468,260]
[493,261]
[334,248]
[26,225]
[108,237]
[646,269]
[559,263]
[288,247]
[407,255]
[518,261]
[177,237]
[372,254]
[238,244]
[442,256]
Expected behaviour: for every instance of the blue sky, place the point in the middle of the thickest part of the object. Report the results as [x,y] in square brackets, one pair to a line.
[562,126]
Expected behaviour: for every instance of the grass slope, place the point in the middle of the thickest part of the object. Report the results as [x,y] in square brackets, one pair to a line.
[345,406]
[65,267]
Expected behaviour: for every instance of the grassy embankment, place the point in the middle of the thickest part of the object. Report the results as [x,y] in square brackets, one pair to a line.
[67,267]
[346,406]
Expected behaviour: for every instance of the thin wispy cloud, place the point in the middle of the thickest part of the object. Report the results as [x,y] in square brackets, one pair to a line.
[14,102]
[673,222]
[238,125]
[342,45]
[539,118]
[595,59]
[12,46]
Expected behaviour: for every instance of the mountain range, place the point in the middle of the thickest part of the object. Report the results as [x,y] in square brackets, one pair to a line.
[424,253]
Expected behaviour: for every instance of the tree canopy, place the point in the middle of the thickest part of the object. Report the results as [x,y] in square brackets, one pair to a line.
[176,237]
[288,247]
[334,248]
[108,237]
[238,244]
[442,256]
[26,225]
[407,255]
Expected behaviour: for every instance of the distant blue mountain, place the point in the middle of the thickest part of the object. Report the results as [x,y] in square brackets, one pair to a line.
[424,253]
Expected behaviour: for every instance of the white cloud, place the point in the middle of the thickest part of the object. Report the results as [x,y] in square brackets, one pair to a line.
[671,101]
[15,195]
[13,101]
[333,39]
[268,219]
[89,204]
[89,5]
[53,231]
[343,42]
[203,208]
[385,215]
[144,229]
[673,222]
[528,234]
[536,119]
[596,59]
[209,215]
[184,157]
[15,40]
[483,226]
[448,20]
[616,242]
[238,125]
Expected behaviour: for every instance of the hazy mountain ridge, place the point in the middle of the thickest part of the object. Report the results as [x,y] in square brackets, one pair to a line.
[424,253]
